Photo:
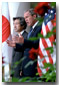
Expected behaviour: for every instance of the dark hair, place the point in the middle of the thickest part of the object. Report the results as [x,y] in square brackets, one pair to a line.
[22,21]
[31,11]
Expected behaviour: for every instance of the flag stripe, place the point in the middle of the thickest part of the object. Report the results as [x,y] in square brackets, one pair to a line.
[5,28]
[48,29]
[43,29]
[39,70]
[50,26]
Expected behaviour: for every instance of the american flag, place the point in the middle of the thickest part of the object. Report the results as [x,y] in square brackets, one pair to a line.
[44,55]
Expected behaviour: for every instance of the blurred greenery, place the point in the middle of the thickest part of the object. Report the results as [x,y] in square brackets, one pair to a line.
[33,38]
[50,49]
[53,4]
[30,63]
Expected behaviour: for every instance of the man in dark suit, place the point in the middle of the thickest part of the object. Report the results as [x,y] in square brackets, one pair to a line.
[19,27]
[30,18]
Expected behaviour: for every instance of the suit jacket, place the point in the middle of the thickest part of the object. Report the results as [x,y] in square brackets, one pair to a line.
[16,57]
[31,69]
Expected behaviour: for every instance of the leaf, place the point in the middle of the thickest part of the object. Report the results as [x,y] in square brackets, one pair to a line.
[40,35]
[47,65]
[30,63]
[15,79]
[40,19]
[50,49]
[24,79]
[37,74]
[53,28]
[12,72]
[18,62]
[51,77]
[35,79]
[54,43]
[33,38]
[53,4]
[51,66]
[49,34]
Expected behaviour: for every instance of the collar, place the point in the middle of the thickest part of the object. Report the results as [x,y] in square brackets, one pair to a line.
[21,32]
[35,25]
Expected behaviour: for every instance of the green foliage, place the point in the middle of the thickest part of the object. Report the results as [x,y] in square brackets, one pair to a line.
[33,38]
[24,79]
[54,43]
[15,80]
[18,62]
[40,19]
[40,35]
[50,75]
[33,4]
[51,66]
[49,34]
[53,4]
[30,63]
[50,49]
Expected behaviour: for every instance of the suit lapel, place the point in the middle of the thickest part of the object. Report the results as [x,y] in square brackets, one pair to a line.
[35,31]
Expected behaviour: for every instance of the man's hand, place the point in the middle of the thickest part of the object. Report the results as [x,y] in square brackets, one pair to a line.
[19,39]
[11,43]
[20,73]
[15,40]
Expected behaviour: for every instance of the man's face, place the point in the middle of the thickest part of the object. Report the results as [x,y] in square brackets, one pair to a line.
[29,18]
[17,26]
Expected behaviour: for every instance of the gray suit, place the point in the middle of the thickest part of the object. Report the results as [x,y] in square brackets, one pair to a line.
[16,57]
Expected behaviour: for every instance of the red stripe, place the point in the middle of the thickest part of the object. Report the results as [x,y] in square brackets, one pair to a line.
[44,61]
[51,60]
[47,29]
[39,70]
[54,21]
[5,28]
[41,56]
[42,32]
[45,46]
[48,53]
[50,38]
[40,53]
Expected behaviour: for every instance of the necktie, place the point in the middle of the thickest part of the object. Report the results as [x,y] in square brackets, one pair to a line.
[29,34]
